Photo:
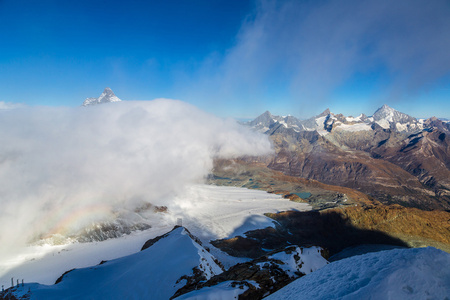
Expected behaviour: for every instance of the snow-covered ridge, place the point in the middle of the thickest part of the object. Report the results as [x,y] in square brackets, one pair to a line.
[420,273]
[154,273]
[107,96]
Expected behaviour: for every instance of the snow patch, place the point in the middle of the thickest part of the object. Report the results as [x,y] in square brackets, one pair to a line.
[352,119]
[223,291]
[383,123]
[303,260]
[354,127]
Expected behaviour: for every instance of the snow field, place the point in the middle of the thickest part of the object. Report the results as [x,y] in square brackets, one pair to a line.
[209,212]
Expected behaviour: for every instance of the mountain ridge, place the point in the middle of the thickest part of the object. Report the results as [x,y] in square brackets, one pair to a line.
[385,117]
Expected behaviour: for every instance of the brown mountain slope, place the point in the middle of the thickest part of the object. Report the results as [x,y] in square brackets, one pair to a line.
[329,160]
[416,227]
[425,155]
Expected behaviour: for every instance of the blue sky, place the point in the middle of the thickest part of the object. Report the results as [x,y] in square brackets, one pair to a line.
[231,58]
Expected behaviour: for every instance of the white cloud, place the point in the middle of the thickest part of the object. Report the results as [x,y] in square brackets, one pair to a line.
[56,163]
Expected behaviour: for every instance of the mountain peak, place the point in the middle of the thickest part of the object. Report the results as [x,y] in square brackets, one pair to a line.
[386,112]
[388,117]
[265,119]
[326,112]
[266,113]
[107,96]
[108,91]
[386,108]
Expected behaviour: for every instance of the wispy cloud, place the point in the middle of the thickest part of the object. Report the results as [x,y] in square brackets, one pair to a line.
[310,48]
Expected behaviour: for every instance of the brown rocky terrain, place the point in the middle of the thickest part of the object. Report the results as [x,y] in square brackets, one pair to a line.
[425,155]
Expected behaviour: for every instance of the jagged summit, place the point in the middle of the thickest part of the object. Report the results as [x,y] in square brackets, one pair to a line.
[265,117]
[326,112]
[384,112]
[387,117]
[267,121]
[106,97]
[391,115]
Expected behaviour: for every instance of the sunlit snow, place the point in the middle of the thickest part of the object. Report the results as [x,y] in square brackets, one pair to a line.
[421,273]
[209,212]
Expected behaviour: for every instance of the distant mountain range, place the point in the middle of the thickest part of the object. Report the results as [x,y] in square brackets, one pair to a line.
[385,117]
[390,155]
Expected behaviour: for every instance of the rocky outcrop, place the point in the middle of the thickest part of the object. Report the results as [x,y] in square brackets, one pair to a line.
[266,274]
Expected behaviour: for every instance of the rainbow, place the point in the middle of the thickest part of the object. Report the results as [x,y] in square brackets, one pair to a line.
[64,220]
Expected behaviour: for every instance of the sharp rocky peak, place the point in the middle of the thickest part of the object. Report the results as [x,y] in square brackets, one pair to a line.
[326,112]
[391,115]
[107,96]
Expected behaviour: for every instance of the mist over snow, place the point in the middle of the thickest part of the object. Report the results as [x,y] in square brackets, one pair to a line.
[64,168]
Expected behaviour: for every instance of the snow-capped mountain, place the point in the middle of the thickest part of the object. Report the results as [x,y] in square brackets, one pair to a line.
[385,117]
[106,97]
[267,121]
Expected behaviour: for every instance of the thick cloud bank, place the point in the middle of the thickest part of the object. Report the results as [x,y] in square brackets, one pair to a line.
[64,168]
